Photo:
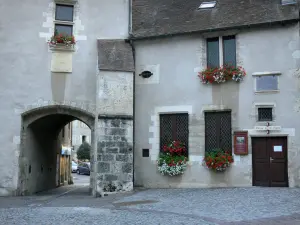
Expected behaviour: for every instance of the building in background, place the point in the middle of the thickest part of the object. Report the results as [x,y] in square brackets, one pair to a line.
[65,155]
[80,133]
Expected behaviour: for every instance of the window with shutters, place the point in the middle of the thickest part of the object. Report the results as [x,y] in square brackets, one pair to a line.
[218,131]
[221,46]
[174,127]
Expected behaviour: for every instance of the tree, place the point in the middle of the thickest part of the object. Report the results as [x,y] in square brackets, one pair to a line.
[83,151]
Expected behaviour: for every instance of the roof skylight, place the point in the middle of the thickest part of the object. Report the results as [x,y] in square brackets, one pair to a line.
[288,2]
[207,5]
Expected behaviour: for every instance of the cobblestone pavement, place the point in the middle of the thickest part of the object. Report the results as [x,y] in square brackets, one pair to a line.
[219,206]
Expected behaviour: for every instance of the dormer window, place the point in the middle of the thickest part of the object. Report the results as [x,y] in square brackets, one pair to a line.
[207,5]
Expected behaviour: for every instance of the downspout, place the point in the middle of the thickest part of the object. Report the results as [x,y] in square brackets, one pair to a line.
[130,17]
[133,105]
[133,55]
[133,144]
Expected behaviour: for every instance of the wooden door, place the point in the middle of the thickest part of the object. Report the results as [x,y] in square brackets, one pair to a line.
[269,161]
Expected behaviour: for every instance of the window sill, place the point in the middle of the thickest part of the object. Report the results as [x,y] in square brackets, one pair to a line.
[63,22]
[267,92]
[69,2]
[61,47]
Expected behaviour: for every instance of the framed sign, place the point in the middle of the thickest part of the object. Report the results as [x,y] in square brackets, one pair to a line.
[241,143]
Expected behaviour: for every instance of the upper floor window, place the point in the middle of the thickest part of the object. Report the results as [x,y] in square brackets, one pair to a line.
[64,19]
[221,51]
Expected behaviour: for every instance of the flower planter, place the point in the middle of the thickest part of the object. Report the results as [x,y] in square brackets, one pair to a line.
[218,160]
[62,42]
[172,161]
[222,74]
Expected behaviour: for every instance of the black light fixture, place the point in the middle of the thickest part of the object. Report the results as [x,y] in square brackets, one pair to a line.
[146,74]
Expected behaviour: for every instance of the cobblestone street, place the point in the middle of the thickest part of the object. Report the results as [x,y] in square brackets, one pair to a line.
[72,205]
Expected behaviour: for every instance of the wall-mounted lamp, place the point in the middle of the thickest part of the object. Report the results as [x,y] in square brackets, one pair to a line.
[146,74]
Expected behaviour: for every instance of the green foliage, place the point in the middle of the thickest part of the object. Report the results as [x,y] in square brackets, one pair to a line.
[83,151]
[171,159]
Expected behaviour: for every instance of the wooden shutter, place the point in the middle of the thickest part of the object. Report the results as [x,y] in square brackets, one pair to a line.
[218,131]
[174,127]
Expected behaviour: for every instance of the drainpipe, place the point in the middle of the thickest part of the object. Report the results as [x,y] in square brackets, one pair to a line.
[130,17]
[133,144]
[133,55]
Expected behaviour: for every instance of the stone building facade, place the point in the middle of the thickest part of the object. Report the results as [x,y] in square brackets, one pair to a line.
[99,82]
[183,39]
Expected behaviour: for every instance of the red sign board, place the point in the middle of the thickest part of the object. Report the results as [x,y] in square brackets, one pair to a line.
[241,143]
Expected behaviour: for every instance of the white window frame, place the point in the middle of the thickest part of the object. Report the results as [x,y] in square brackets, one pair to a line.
[221,56]
[62,22]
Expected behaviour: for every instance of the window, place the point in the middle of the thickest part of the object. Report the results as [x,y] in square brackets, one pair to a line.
[83,138]
[229,51]
[213,58]
[267,83]
[221,46]
[64,19]
[63,132]
[174,127]
[265,114]
[218,131]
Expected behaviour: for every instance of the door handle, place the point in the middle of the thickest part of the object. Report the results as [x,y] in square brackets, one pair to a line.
[271,159]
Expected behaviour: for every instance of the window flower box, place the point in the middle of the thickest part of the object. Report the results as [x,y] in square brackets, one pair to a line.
[173,161]
[218,160]
[62,42]
[222,74]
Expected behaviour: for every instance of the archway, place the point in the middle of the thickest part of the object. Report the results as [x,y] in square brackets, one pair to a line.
[40,145]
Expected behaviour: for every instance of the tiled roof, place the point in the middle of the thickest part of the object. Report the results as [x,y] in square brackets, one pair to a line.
[165,17]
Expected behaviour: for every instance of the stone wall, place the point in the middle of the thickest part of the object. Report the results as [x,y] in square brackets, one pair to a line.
[115,155]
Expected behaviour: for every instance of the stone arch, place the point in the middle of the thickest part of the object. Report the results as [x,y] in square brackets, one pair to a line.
[39,141]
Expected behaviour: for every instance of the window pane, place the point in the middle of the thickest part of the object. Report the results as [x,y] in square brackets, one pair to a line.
[266,83]
[64,29]
[229,51]
[213,52]
[64,12]
[166,134]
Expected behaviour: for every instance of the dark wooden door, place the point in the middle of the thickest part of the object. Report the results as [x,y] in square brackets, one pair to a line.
[269,161]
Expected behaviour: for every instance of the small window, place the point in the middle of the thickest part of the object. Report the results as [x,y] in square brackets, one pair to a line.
[64,29]
[265,114]
[213,57]
[83,138]
[64,12]
[229,51]
[267,83]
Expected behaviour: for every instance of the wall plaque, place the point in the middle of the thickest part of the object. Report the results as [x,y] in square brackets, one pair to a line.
[241,143]
[61,62]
